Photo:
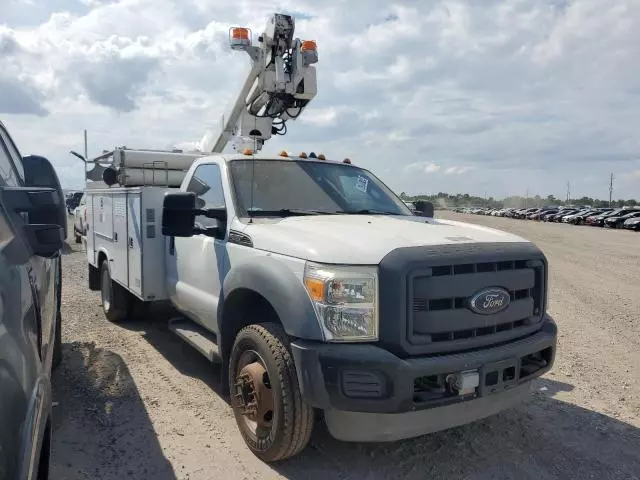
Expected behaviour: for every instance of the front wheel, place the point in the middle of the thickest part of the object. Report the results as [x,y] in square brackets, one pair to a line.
[272,417]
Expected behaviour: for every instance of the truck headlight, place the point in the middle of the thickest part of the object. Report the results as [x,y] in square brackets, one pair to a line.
[346,301]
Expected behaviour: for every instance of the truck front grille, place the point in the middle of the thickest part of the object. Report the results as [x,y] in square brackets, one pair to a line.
[439,317]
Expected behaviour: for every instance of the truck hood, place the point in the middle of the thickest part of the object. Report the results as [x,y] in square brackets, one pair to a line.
[362,239]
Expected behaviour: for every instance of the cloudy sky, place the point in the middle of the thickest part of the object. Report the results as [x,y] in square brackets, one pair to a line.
[477,96]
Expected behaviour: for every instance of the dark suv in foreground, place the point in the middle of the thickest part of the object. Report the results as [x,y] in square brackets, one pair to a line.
[32,232]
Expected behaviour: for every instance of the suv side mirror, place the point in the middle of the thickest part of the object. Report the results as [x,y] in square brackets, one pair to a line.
[39,172]
[27,208]
[179,213]
[424,208]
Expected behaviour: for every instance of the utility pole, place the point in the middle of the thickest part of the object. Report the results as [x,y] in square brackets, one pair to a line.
[86,155]
[526,200]
[610,190]
[568,192]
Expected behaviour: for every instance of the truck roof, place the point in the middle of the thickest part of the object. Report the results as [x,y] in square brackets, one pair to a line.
[227,157]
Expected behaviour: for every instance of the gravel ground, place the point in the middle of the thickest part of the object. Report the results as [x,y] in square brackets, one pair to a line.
[134,401]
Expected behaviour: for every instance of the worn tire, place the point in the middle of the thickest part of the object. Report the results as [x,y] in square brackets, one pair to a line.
[293,419]
[116,301]
[57,343]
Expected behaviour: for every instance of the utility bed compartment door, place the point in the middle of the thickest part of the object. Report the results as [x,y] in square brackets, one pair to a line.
[102,216]
[134,243]
[118,263]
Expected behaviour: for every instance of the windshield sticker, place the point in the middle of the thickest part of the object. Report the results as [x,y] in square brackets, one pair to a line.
[362,184]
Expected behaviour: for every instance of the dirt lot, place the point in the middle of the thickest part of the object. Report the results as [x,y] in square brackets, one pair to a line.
[135,402]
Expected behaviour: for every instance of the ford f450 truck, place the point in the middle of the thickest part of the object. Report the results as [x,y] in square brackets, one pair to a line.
[317,288]
[312,283]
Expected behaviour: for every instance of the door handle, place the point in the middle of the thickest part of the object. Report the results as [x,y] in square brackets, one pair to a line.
[130,242]
[115,236]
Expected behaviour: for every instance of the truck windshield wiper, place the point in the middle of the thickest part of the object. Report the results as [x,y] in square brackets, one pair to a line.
[286,212]
[367,211]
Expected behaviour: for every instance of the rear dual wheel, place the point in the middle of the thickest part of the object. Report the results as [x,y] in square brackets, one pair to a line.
[272,417]
[117,303]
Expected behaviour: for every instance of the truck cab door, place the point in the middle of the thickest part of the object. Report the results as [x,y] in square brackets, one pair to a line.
[196,266]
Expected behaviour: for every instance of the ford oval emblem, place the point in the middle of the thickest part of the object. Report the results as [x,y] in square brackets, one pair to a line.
[490,301]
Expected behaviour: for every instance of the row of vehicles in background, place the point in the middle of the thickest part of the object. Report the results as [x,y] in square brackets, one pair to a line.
[77,208]
[623,217]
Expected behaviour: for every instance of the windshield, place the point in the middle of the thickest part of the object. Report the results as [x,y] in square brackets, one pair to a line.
[290,187]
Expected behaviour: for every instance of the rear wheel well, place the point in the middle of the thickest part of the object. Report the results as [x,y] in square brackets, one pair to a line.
[241,308]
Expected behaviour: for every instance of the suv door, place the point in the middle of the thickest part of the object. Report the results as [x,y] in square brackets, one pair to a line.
[43,272]
[28,307]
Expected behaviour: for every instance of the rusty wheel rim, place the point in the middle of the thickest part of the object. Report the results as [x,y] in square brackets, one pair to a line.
[253,395]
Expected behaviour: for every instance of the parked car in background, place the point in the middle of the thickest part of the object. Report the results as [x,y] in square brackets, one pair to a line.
[632,224]
[579,211]
[32,231]
[598,220]
[80,220]
[542,211]
[521,214]
[616,221]
[73,200]
[579,218]
[545,216]
[557,217]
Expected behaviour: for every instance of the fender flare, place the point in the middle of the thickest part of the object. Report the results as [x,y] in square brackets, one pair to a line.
[285,292]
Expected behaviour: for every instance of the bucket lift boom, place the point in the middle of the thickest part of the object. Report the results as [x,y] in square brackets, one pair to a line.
[279,86]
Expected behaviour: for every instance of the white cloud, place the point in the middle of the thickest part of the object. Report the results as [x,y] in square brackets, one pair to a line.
[431,168]
[319,117]
[457,170]
[524,92]
[424,167]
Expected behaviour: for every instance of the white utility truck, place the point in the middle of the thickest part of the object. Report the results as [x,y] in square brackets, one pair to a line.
[313,284]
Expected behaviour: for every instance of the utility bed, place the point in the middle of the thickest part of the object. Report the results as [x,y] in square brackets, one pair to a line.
[124,226]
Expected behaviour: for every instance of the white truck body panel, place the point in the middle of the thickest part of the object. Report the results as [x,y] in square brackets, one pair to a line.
[125,225]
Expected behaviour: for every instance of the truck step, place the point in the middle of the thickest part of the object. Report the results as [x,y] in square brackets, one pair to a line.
[198,337]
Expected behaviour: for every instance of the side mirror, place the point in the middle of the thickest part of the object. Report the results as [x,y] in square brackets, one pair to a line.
[179,212]
[39,172]
[178,217]
[424,208]
[27,208]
